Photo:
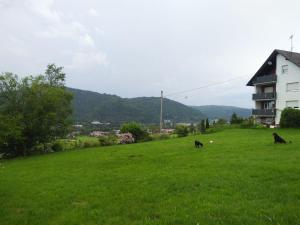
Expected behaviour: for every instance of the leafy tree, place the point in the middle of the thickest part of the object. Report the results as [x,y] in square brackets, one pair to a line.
[221,121]
[54,75]
[235,119]
[136,129]
[248,123]
[290,118]
[202,126]
[181,130]
[192,128]
[11,139]
[38,109]
[207,123]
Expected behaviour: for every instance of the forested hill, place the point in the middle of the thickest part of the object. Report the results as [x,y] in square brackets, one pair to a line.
[89,106]
[222,111]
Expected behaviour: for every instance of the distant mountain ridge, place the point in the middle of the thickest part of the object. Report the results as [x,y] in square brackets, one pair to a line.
[221,111]
[89,106]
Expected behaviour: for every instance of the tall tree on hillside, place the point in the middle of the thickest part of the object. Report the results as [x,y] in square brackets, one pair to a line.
[207,123]
[235,119]
[202,126]
[38,108]
[192,128]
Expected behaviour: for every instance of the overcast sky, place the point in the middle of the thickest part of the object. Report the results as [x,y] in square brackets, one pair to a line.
[138,47]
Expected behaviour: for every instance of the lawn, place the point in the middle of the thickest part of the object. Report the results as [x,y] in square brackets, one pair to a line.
[242,178]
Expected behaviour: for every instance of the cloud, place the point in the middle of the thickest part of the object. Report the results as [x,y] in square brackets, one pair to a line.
[87,41]
[45,8]
[98,30]
[4,3]
[92,12]
[81,47]
[80,59]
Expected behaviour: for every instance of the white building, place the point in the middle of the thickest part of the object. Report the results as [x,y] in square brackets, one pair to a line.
[276,86]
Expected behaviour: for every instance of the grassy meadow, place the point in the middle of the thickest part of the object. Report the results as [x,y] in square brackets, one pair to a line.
[241,178]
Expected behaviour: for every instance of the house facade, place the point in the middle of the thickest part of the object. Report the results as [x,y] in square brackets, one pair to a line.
[276,86]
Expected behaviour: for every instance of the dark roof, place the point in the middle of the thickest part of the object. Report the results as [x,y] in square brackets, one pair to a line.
[294,57]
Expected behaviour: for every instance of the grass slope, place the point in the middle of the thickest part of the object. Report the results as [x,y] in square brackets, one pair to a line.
[231,181]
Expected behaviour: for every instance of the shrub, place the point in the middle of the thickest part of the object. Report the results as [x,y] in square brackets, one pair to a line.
[164,136]
[213,130]
[136,129]
[108,140]
[248,123]
[192,128]
[87,144]
[160,136]
[126,138]
[146,138]
[290,118]
[181,130]
[57,146]
[221,122]
[202,126]
[235,119]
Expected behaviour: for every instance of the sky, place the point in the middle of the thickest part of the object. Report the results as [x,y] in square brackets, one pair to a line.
[135,48]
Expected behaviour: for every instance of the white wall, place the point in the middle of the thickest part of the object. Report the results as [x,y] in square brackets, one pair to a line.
[293,75]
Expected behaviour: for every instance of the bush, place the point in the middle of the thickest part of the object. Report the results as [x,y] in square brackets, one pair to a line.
[136,129]
[235,119]
[146,138]
[108,140]
[88,144]
[57,146]
[290,118]
[221,122]
[212,130]
[181,130]
[164,136]
[126,138]
[248,123]
[161,136]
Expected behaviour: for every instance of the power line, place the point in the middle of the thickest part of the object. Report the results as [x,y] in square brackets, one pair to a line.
[205,86]
[190,90]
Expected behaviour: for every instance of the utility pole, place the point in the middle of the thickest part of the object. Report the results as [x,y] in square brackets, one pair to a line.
[161,112]
[291,37]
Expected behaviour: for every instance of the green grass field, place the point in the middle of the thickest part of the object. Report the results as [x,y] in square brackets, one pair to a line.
[242,178]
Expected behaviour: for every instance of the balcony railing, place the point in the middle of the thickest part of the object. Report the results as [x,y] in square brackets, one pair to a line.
[264,96]
[264,112]
[265,79]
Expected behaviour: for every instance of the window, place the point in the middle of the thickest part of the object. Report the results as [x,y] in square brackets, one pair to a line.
[292,104]
[269,90]
[268,105]
[292,86]
[284,69]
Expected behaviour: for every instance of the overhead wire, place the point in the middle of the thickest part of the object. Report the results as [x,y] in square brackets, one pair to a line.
[204,86]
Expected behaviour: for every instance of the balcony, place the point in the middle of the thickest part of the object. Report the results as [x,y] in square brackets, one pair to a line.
[264,112]
[264,96]
[266,79]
